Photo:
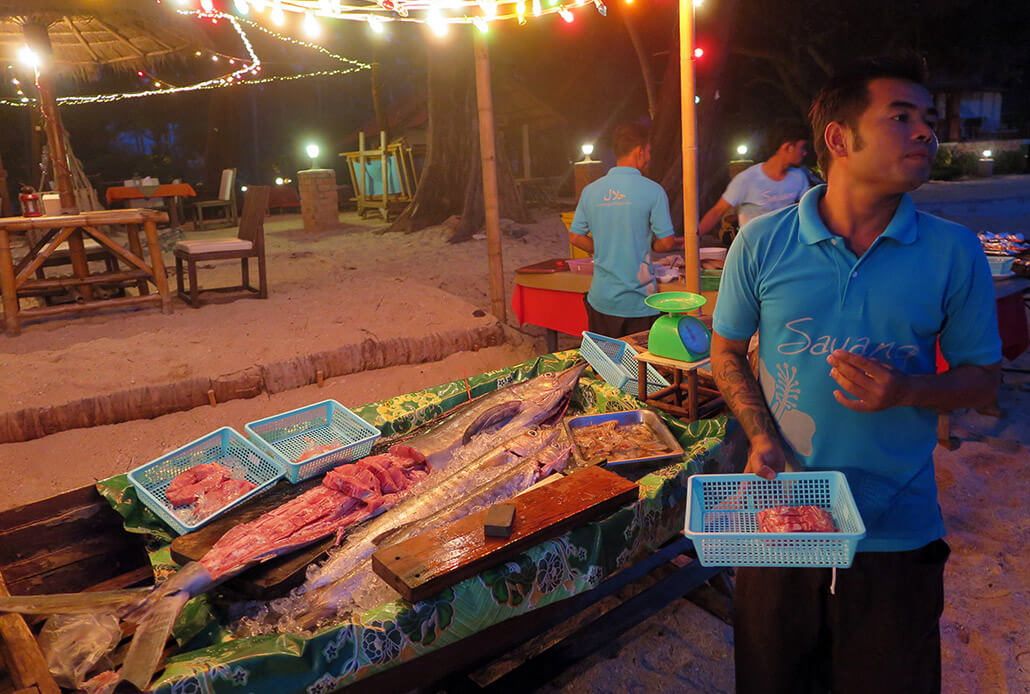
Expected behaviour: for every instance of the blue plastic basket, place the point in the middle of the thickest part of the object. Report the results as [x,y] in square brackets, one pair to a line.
[286,436]
[224,446]
[721,520]
[615,362]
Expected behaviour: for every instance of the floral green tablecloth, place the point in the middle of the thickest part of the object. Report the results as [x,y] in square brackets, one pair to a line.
[399,631]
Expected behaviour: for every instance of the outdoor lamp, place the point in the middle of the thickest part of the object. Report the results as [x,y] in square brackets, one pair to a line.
[742,150]
[28,56]
[988,154]
[312,151]
[278,180]
[243,189]
[588,149]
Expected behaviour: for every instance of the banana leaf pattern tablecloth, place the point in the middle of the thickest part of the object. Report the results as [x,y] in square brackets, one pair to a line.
[396,632]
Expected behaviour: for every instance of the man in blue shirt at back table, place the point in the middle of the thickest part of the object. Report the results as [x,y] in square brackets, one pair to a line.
[616,217]
[850,291]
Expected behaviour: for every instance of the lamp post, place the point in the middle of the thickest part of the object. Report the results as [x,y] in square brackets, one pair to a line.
[312,152]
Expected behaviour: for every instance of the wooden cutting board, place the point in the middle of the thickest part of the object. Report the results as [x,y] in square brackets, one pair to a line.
[426,564]
[267,580]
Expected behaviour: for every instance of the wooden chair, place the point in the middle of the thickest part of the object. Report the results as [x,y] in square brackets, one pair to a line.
[226,199]
[249,243]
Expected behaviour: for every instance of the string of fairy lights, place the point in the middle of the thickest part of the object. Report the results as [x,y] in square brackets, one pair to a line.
[437,15]
[245,74]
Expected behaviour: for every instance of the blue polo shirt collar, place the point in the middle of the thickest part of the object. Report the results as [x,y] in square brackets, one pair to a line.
[624,170]
[903,227]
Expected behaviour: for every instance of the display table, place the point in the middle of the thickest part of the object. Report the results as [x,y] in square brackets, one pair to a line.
[17,282]
[554,301]
[399,645]
[172,193]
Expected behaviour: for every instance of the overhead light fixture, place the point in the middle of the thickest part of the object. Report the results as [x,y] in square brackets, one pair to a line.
[29,57]
[741,150]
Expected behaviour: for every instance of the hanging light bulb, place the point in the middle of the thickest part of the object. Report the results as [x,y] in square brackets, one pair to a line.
[242,6]
[258,5]
[278,16]
[565,14]
[520,11]
[601,7]
[375,24]
[437,24]
[489,8]
[481,24]
[537,8]
[311,26]
[207,5]
[28,56]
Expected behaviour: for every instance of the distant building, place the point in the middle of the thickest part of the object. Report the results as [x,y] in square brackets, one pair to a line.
[968,112]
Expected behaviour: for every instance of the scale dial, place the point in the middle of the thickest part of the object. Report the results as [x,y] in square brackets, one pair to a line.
[694,335]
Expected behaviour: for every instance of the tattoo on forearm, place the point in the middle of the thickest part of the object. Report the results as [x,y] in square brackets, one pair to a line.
[743,395]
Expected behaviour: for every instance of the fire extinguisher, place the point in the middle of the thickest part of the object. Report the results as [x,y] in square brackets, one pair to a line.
[30,204]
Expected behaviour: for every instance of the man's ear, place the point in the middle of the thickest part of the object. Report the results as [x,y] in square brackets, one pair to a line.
[836,138]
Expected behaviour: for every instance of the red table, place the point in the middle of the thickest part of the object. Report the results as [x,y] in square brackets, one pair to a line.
[163,190]
[553,301]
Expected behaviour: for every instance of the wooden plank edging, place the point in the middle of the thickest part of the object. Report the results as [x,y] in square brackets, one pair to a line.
[148,402]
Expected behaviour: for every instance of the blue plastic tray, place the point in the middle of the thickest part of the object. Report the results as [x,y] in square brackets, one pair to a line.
[223,446]
[615,362]
[286,436]
[721,521]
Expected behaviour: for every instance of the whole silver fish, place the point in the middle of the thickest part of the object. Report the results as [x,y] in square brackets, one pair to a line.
[358,586]
[510,409]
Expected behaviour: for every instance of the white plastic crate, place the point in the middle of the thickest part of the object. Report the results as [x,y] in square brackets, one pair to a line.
[721,521]
[288,435]
[224,446]
[615,361]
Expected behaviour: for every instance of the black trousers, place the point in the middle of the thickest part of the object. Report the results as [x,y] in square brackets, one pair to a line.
[615,326]
[879,632]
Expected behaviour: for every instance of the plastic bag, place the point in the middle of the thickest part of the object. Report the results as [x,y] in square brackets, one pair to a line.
[74,645]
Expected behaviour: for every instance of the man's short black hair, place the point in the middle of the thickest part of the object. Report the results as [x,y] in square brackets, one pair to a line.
[785,132]
[846,96]
[628,137]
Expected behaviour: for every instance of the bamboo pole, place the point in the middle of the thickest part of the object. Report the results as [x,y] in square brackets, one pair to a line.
[489,155]
[38,40]
[691,241]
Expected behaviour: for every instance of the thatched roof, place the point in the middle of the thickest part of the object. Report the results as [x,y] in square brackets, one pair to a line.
[87,34]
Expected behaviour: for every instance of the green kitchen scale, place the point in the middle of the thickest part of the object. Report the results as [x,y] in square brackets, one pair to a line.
[677,335]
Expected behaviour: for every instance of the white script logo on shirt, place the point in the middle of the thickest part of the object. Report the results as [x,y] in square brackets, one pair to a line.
[863,346]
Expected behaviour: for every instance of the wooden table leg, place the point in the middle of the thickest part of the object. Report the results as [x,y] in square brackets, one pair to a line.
[160,278]
[677,380]
[12,325]
[550,337]
[692,394]
[642,380]
[136,248]
[80,266]
[172,204]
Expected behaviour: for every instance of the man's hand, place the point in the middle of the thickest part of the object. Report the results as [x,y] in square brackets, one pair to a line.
[766,457]
[873,384]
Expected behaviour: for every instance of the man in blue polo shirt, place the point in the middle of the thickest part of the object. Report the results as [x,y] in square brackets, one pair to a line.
[850,291]
[615,220]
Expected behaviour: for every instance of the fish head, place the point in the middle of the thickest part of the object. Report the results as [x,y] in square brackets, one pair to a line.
[552,400]
[533,441]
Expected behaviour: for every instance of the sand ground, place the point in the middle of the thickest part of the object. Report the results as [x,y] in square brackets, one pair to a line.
[425,282]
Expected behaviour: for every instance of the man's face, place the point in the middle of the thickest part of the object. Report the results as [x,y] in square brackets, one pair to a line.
[796,152]
[894,143]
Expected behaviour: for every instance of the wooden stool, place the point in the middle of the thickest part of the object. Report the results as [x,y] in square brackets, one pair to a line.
[670,399]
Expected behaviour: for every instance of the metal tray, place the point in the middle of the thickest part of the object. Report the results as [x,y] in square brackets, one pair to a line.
[623,418]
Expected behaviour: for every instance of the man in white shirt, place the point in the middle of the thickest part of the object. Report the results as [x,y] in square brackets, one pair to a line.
[769,186]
